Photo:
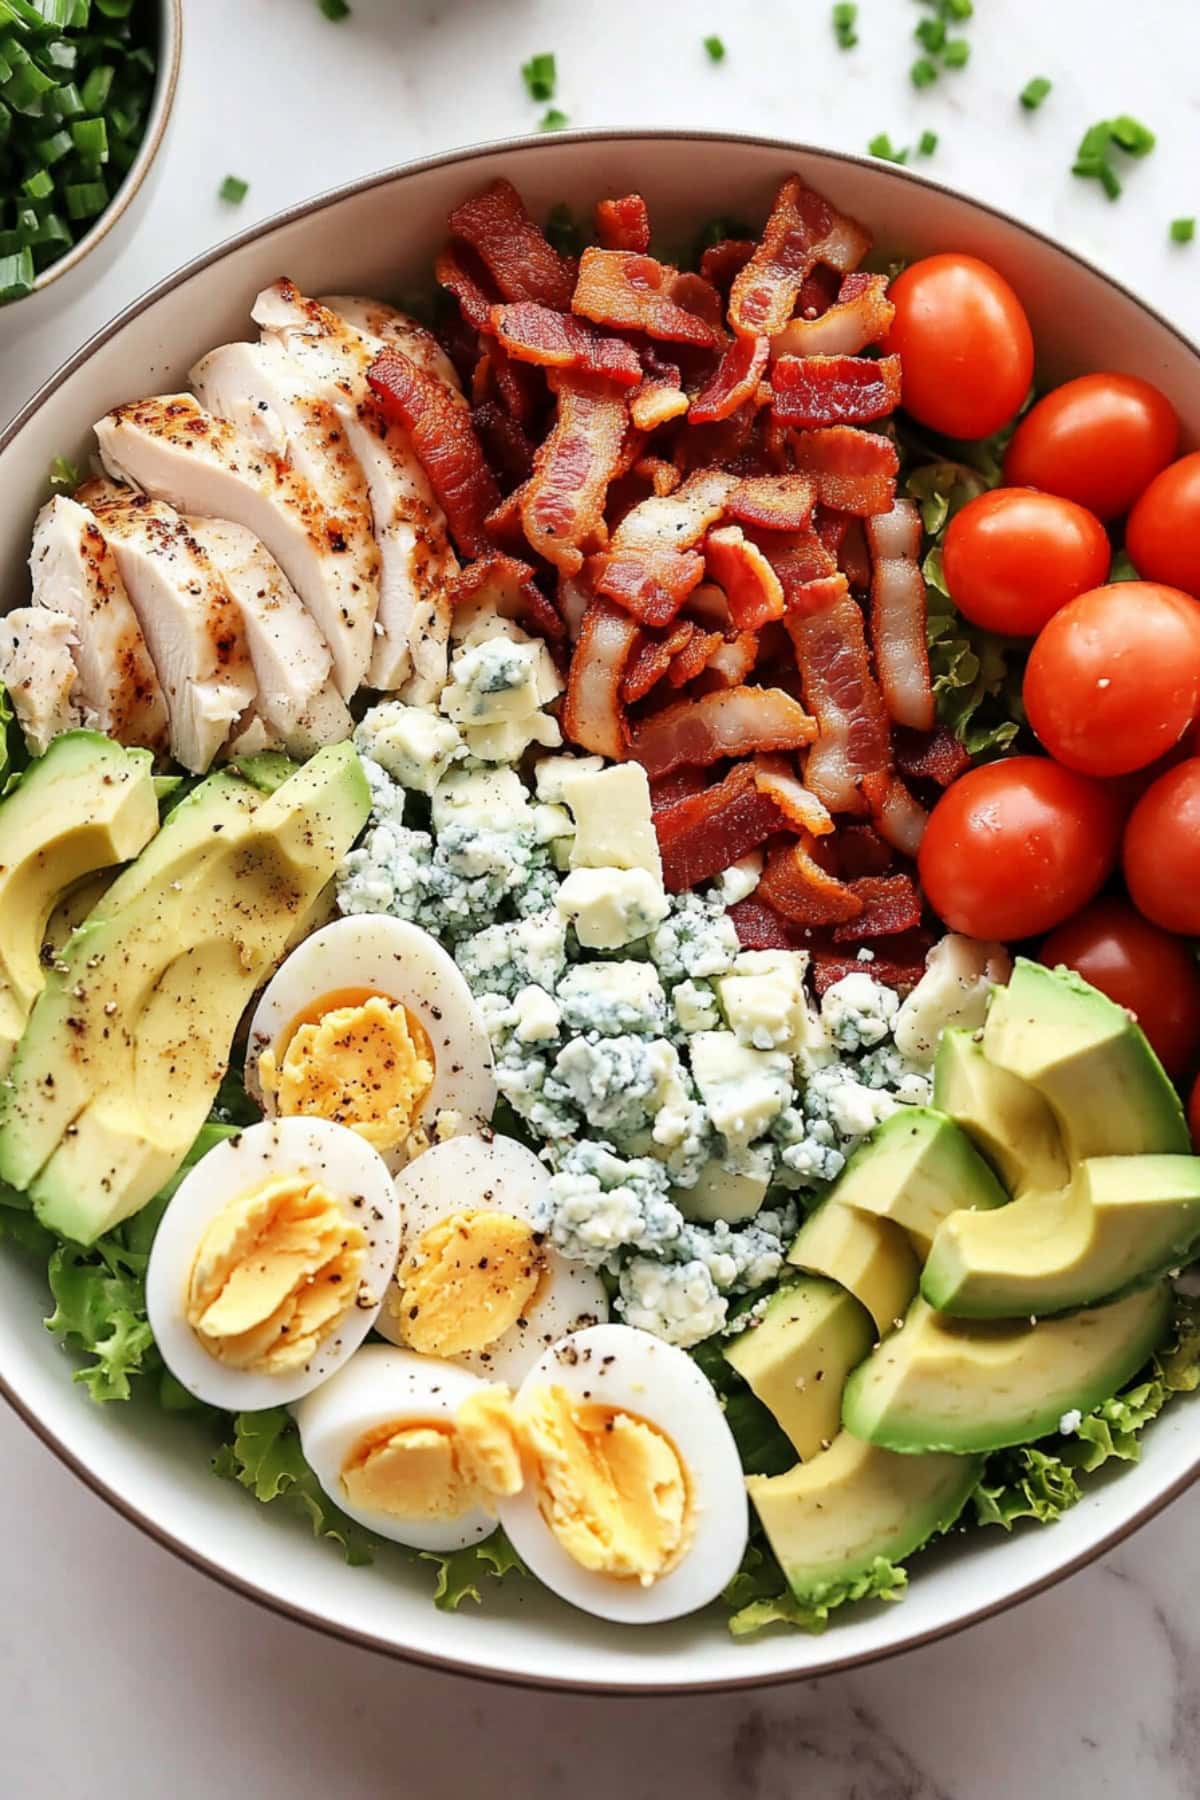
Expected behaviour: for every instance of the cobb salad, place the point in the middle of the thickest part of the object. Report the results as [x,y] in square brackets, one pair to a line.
[565,988]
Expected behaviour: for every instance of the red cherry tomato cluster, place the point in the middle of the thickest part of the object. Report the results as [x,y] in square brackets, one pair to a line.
[1022,847]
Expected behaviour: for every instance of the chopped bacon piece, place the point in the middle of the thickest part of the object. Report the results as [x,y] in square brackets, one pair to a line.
[803,230]
[811,391]
[676,786]
[502,584]
[562,505]
[890,904]
[902,973]
[800,808]
[818,292]
[773,502]
[831,528]
[854,559]
[698,296]
[694,657]
[592,715]
[633,292]
[462,273]
[861,851]
[651,659]
[898,615]
[853,736]
[623,224]
[534,334]
[518,385]
[861,315]
[662,476]
[729,445]
[852,471]
[806,569]
[731,664]
[520,260]
[899,818]
[730,722]
[704,833]
[939,757]
[759,926]
[751,585]
[653,536]
[721,262]
[444,439]
[652,585]
[656,403]
[709,605]
[802,891]
[733,382]
[574,597]
[505,444]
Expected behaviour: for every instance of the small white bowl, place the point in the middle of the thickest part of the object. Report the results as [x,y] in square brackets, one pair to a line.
[379,236]
[61,281]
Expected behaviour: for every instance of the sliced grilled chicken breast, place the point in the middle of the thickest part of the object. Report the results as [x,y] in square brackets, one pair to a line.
[298,708]
[387,325]
[74,572]
[189,619]
[176,451]
[38,669]
[417,563]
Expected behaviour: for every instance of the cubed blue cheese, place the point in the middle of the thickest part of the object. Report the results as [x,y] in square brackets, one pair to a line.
[617,1083]
[765,1003]
[613,999]
[858,1011]
[598,1203]
[495,799]
[502,959]
[412,743]
[506,740]
[694,1004]
[552,823]
[743,1089]
[959,975]
[678,1302]
[610,908]
[549,773]
[697,940]
[739,880]
[537,1016]
[614,828]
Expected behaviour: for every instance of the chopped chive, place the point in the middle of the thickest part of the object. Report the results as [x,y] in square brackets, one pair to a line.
[1132,136]
[715,48]
[562,230]
[233,189]
[928,143]
[52,149]
[931,34]
[16,275]
[957,53]
[63,475]
[91,138]
[84,199]
[923,73]
[540,76]
[1034,92]
[553,120]
[94,92]
[334,9]
[39,185]
[69,101]
[956,9]
[1182,231]
[881,146]
[845,17]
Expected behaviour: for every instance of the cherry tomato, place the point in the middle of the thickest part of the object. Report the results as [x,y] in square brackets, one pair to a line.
[966,350]
[1014,556]
[1161,854]
[1149,971]
[1015,847]
[1098,440]
[1114,679]
[1163,533]
[1194,1113]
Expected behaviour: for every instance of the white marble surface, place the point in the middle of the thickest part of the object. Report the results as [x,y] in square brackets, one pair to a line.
[123,1673]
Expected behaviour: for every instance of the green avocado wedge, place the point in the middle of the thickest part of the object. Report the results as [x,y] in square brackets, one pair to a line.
[1123,1221]
[871,1258]
[1090,1062]
[830,1520]
[917,1168]
[1004,1117]
[973,1386]
[796,1358]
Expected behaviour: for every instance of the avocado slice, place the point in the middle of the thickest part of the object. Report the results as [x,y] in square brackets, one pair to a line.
[830,1519]
[83,806]
[916,1168]
[871,1258]
[128,1042]
[1004,1117]
[1089,1060]
[1123,1221]
[965,1386]
[797,1355]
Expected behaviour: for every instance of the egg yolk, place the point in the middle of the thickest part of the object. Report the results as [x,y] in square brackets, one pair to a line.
[275,1271]
[437,1469]
[488,1441]
[471,1277]
[368,1065]
[611,1486]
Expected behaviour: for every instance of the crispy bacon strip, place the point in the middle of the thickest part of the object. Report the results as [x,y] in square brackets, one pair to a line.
[518,384]
[751,585]
[759,926]
[592,716]
[696,295]
[731,664]
[852,471]
[462,274]
[803,230]
[731,722]
[939,757]
[811,391]
[773,502]
[505,444]
[651,585]
[651,659]
[444,439]
[504,585]
[861,851]
[806,569]
[853,736]
[533,334]
[901,973]
[656,403]
[721,262]
[515,251]
[693,658]
[853,557]
[889,904]
[661,475]
[733,382]
[898,615]
[899,818]
[862,314]
[623,224]
[562,503]
[676,786]
[802,891]
[704,833]
[802,810]
[633,292]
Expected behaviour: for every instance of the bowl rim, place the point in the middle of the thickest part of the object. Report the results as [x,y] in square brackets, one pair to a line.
[178,1547]
[166,81]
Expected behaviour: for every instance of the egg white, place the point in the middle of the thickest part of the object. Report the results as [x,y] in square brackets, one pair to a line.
[618,1366]
[351,1170]
[404,963]
[381,1386]
[495,1174]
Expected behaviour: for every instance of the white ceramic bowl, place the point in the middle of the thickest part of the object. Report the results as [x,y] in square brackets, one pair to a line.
[379,236]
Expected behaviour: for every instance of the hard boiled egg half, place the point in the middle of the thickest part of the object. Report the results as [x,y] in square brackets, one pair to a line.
[476,1281]
[370,1024]
[271,1261]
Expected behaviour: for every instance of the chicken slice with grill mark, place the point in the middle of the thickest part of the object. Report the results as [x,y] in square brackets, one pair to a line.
[74,572]
[385,326]
[177,452]
[190,621]
[417,563]
[38,669]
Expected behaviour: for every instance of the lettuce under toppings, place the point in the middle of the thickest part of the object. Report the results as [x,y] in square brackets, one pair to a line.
[757,1599]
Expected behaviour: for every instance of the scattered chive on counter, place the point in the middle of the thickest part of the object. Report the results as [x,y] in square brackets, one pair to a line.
[233,189]
[923,73]
[552,120]
[334,9]
[540,76]
[845,17]
[881,145]
[1034,92]
[957,53]
[1093,159]
[716,49]
[76,81]
[928,143]
[1182,231]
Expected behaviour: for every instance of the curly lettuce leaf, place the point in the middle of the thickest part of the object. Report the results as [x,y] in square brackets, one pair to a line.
[759,1596]
[460,1571]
